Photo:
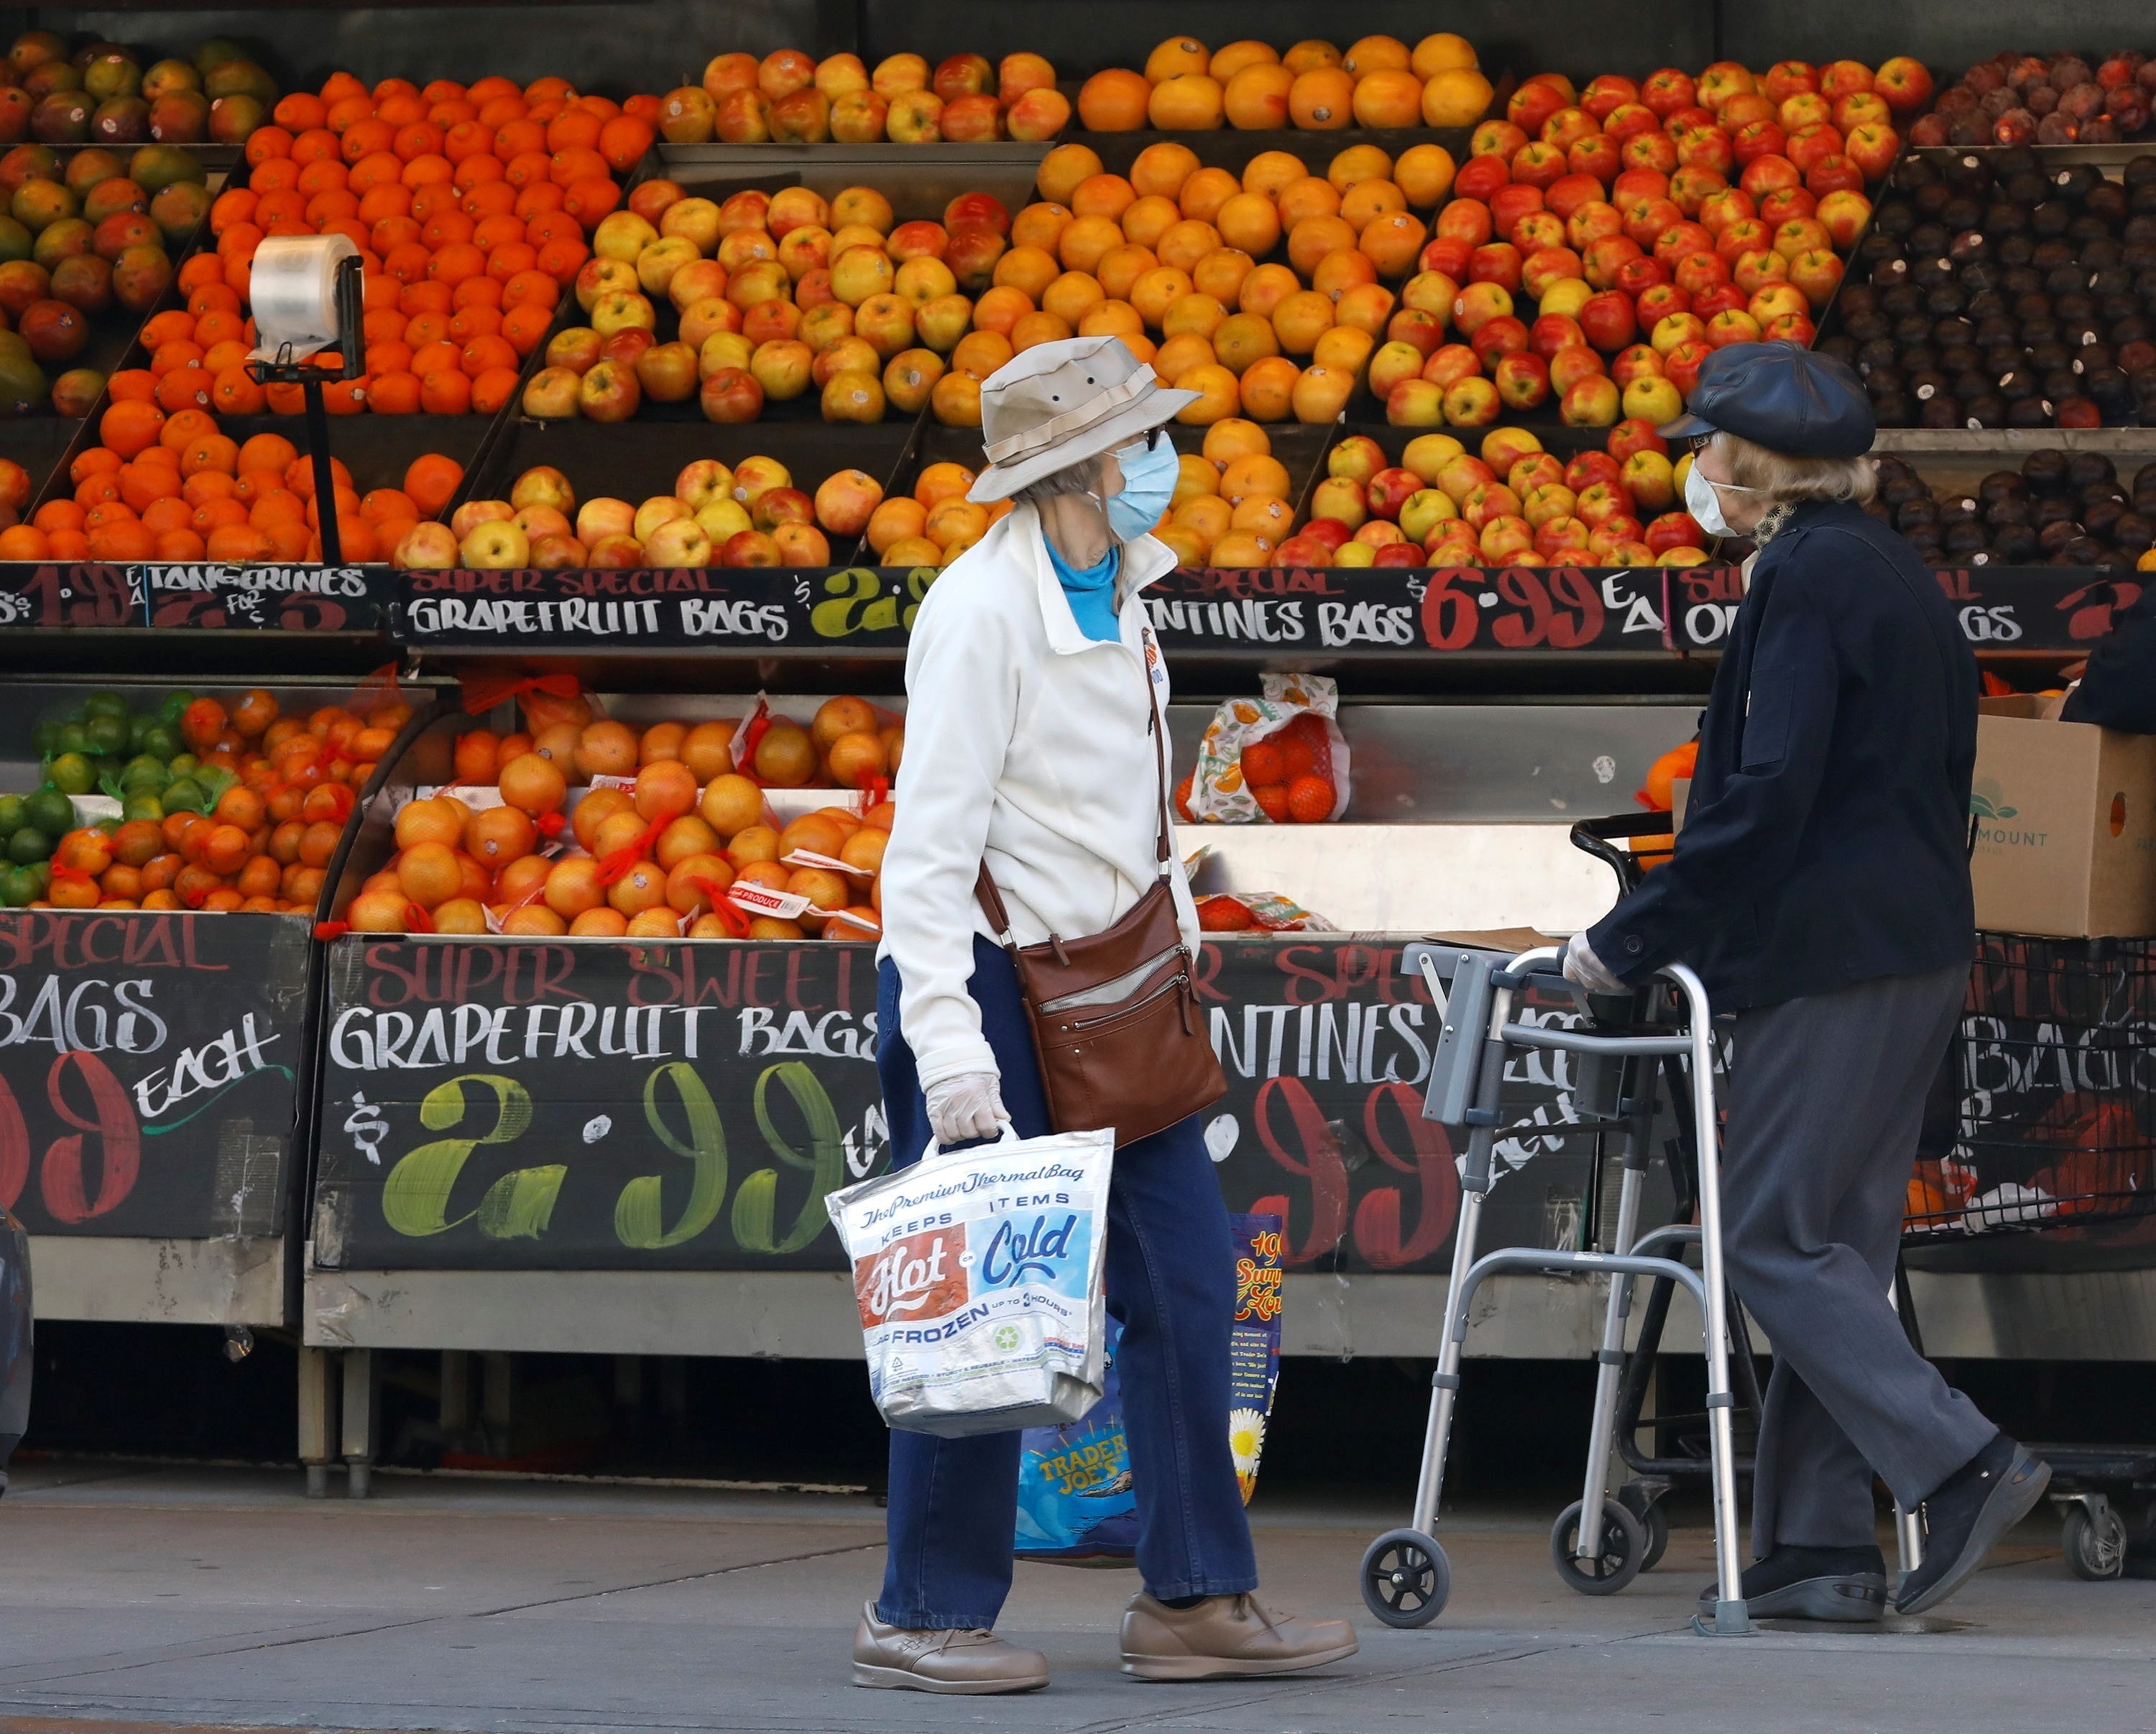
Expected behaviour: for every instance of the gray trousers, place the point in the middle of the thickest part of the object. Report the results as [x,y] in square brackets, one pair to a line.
[1826,1100]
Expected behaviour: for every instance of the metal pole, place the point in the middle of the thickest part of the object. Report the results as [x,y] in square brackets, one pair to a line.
[1729,1616]
[318,443]
[1608,1360]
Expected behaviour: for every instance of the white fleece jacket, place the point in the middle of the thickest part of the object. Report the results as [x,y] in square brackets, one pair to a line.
[1026,745]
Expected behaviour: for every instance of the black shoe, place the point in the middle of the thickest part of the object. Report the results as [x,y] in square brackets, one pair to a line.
[1847,1585]
[1966,1515]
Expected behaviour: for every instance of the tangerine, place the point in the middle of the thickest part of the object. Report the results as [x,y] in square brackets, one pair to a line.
[533,783]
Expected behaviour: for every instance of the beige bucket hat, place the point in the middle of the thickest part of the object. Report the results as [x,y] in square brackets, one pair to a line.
[1059,403]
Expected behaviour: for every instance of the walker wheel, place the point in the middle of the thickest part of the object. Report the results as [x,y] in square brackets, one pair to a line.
[2095,1546]
[1619,1553]
[1406,1579]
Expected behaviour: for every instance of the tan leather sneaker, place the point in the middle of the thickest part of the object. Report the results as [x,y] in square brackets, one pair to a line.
[972,1662]
[1224,1636]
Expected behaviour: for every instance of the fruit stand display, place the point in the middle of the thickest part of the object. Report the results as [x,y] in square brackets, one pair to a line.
[658,451]
[157,1039]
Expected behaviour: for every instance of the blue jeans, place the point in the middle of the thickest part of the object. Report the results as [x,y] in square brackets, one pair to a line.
[1171,1284]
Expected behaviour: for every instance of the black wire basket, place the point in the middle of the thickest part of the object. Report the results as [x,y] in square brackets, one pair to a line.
[2052,1077]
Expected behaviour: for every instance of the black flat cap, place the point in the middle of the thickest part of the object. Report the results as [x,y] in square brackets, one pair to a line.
[1790,400]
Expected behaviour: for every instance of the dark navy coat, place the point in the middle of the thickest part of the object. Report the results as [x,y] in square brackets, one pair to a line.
[1827,838]
[2118,689]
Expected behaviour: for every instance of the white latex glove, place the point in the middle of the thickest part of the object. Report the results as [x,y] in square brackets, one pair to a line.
[966,1107]
[1584,969]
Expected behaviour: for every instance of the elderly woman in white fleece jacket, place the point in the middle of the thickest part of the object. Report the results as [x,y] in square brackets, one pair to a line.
[1034,697]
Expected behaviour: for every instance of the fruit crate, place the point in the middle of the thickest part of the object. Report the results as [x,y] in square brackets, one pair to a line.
[1996,503]
[2055,1101]
[636,460]
[1961,308]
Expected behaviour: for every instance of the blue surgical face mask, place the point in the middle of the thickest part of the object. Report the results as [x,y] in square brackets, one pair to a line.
[1150,469]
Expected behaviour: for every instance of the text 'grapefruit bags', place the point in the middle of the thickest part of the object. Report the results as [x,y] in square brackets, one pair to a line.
[978,1273]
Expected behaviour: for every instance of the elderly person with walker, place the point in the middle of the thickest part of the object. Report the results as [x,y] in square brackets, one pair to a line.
[1036,716]
[1821,888]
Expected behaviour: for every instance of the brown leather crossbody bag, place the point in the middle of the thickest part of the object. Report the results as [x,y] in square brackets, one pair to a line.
[1117,1024]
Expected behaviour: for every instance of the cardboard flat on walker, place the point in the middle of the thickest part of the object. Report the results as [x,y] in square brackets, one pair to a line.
[2066,824]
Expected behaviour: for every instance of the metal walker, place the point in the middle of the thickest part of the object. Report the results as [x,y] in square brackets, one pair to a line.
[1406,1579]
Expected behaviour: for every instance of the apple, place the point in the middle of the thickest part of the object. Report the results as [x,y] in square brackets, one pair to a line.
[1905,83]
[1038,115]
[1795,328]
[550,395]
[1547,502]
[1462,474]
[750,548]
[1592,403]
[1411,326]
[1647,220]
[618,310]
[1810,145]
[1756,139]
[1775,300]
[604,516]
[1496,265]
[1842,215]
[1393,363]
[915,118]
[703,279]
[1636,276]
[1478,304]
[599,277]
[1447,256]
[1423,510]
[627,344]
[1872,148]
[1654,400]
[1380,533]
[702,480]
[1416,404]
[667,372]
[1562,541]
[1817,273]
[622,235]
[1552,331]
[723,520]
[723,350]
[731,395]
[1303,550]
[427,547]
[859,117]
[1568,296]
[1356,459]
[1329,530]
[558,552]
[1600,157]
[1591,221]
[1607,257]
[1640,360]
[1491,499]
[495,545]
[1683,363]
[1722,298]
[677,543]
[1388,489]
[1452,364]
[1608,320]
[1679,241]
[1779,206]
[1865,108]
[1650,481]
[1655,151]
[1699,272]
[659,509]
[940,323]
[1833,174]
[609,392]
[784,370]
[1634,435]
[1628,120]
[1732,204]
[1523,379]
[757,475]
[1568,366]
[614,553]
[1675,529]
[1591,467]
[473,513]
[1472,403]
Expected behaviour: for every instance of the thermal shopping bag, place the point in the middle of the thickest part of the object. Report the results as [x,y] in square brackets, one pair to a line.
[978,1273]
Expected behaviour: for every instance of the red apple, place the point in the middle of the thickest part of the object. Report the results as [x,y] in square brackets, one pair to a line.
[1523,379]
[1553,331]
[1592,403]
[1470,403]
[1683,363]
[1789,78]
[1697,273]
[1638,362]
[1679,241]
[1873,148]
[1417,403]
[1811,146]
[1722,298]
[1483,175]
[1675,529]
[1636,276]
[1568,366]
[1767,174]
[1905,83]
[1478,304]
[1668,90]
[1817,273]
[1602,261]
[1732,325]
[1756,139]
[1833,174]
[1779,206]
[1655,150]
[1498,338]
[1634,435]
[1498,264]
[1600,158]
[1536,232]
[1731,205]
[1450,365]
[1356,459]
[731,395]
[1608,321]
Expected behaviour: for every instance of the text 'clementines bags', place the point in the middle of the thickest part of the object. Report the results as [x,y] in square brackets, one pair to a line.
[1117,1024]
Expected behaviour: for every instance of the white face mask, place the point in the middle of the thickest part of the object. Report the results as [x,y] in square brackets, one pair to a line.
[1702,501]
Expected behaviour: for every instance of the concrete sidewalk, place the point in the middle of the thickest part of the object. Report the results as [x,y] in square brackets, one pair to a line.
[150,1595]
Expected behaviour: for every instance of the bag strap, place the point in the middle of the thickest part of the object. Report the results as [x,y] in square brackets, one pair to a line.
[984,888]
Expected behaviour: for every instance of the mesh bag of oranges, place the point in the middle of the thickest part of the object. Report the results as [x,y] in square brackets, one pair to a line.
[1277,759]
[1257,912]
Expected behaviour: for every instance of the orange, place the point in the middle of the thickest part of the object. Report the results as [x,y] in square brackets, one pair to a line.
[1322,100]
[1162,169]
[1388,97]
[495,836]
[435,820]
[431,480]
[1112,101]
[1190,102]
[128,428]
[666,788]
[607,749]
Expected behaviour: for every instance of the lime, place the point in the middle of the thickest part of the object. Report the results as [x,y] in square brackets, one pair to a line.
[144,771]
[143,805]
[29,844]
[160,741]
[48,811]
[74,737]
[18,885]
[138,731]
[183,796]
[10,816]
[45,738]
[175,706]
[107,734]
[181,764]
[73,774]
[104,704]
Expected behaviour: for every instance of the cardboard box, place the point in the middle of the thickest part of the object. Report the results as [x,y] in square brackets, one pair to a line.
[2066,824]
